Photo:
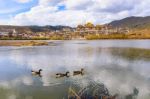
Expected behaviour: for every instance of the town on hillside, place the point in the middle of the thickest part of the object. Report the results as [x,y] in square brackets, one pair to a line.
[66,33]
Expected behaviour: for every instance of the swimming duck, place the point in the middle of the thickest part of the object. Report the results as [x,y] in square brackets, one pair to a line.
[78,72]
[36,72]
[59,75]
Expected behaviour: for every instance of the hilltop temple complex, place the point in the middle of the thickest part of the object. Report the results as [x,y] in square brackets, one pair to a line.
[79,32]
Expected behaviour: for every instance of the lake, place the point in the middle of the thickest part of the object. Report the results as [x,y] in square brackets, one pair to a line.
[121,65]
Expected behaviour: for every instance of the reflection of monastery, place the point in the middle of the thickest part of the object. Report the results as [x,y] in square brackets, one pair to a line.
[98,91]
[92,91]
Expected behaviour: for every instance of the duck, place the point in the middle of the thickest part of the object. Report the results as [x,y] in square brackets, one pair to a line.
[59,75]
[36,72]
[78,72]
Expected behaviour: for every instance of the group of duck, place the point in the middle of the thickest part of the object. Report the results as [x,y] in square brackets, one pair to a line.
[60,75]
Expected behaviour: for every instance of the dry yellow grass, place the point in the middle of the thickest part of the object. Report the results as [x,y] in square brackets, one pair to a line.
[23,43]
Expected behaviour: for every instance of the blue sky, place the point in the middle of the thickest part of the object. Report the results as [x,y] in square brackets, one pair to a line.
[12,7]
[69,12]
[61,7]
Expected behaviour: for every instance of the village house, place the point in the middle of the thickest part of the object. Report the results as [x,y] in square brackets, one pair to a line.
[6,33]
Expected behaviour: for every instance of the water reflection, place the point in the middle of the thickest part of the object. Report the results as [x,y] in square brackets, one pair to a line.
[121,70]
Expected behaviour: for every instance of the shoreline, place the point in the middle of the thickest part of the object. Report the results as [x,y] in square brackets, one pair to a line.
[23,40]
[47,42]
[71,39]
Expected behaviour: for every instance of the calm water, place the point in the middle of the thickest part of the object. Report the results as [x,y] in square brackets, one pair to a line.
[121,65]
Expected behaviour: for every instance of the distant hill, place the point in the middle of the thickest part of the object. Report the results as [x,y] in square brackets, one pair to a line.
[132,22]
[47,28]
[33,28]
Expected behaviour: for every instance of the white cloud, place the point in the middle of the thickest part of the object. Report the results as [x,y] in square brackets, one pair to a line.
[23,1]
[81,11]
[49,2]
[67,17]
[102,5]
[78,4]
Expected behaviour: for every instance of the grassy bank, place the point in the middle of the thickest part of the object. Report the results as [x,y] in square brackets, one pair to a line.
[117,36]
[34,38]
[23,43]
[131,35]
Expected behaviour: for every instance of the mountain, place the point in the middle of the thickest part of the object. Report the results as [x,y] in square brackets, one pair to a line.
[132,22]
[22,29]
[47,28]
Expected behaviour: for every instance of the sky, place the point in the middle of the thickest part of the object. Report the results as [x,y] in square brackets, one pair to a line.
[69,12]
